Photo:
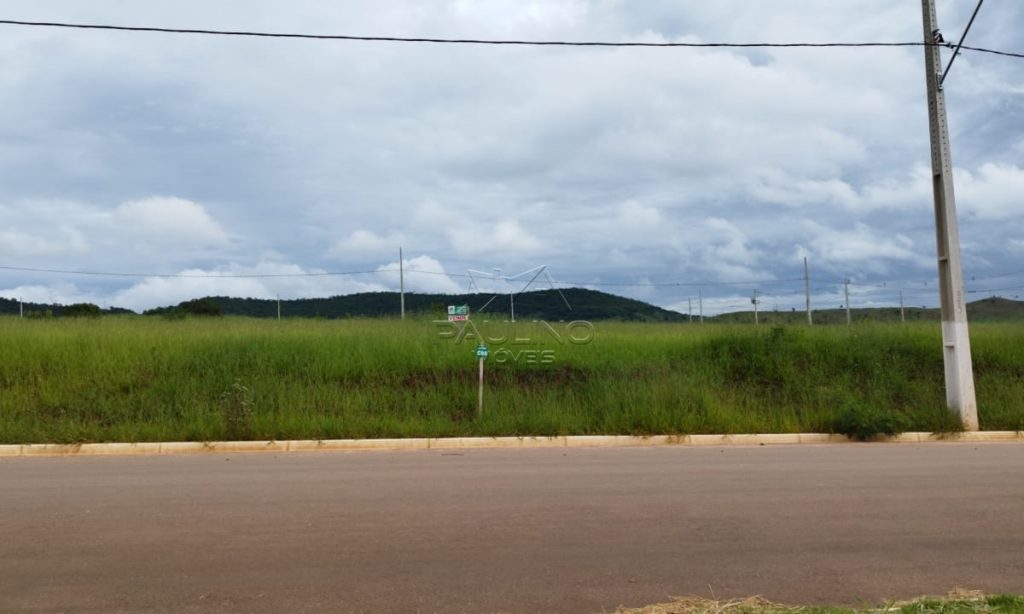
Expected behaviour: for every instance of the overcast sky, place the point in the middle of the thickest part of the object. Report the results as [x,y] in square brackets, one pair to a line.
[150,153]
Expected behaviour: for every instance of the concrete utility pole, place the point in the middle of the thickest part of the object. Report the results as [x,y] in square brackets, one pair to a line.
[755,302]
[401,281]
[689,310]
[278,307]
[700,304]
[956,343]
[846,293]
[807,293]
[903,317]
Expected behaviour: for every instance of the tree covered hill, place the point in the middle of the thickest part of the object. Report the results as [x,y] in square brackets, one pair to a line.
[993,309]
[35,310]
[539,305]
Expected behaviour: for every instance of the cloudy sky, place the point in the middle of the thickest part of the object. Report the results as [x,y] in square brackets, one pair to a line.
[621,169]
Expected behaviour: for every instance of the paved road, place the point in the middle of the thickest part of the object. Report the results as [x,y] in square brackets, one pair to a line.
[556,530]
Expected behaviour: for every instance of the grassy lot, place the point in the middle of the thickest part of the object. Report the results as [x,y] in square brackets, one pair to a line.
[969,603]
[130,378]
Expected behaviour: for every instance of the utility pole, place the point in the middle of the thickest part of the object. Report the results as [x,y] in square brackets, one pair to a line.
[401,281]
[956,354]
[278,307]
[689,309]
[807,293]
[903,317]
[700,303]
[755,301]
[846,293]
[21,308]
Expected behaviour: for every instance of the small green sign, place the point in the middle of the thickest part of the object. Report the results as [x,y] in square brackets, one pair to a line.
[458,310]
[481,351]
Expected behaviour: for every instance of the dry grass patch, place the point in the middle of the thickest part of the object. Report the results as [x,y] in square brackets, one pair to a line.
[958,601]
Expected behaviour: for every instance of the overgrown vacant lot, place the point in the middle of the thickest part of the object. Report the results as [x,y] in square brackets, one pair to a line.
[143,379]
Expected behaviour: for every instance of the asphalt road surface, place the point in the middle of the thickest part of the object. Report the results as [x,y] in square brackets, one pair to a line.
[552,530]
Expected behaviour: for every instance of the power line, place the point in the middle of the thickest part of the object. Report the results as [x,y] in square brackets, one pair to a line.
[960,45]
[679,284]
[1009,54]
[873,288]
[562,282]
[988,290]
[195,275]
[478,41]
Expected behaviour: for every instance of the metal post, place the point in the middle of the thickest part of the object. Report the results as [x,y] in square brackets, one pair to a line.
[754,301]
[401,281]
[807,293]
[700,304]
[846,293]
[956,343]
[903,317]
[480,392]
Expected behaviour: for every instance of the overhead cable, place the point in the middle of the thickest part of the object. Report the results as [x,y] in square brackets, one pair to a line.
[480,41]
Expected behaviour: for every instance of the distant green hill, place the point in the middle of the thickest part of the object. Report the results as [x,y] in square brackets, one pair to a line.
[541,305]
[12,307]
[985,310]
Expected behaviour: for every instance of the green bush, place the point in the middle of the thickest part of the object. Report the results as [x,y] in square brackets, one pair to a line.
[863,422]
[82,310]
[200,307]
[237,406]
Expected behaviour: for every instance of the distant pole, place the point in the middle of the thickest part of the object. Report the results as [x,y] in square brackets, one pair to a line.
[700,303]
[21,308]
[401,281]
[846,293]
[278,307]
[754,301]
[807,293]
[512,305]
[956,342]
[903,317]
[689,309]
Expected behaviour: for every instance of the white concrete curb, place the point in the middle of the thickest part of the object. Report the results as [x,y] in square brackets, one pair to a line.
[464,443]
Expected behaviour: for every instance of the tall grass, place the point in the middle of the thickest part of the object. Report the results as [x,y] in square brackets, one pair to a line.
[144,379]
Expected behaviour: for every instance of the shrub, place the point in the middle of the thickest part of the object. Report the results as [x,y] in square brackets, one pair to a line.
[863,422]
[82,310]
[237,405]
[200,307]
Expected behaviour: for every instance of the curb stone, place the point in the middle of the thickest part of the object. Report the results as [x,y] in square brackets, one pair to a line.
[467,443]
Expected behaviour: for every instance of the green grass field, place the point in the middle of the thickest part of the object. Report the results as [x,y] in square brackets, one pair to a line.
[127,378]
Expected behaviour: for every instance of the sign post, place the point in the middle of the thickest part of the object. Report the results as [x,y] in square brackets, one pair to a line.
[458,313]
[481,356]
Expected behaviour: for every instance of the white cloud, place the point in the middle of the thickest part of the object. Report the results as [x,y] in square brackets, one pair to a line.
[19,244]
[994,192]
[266,279]
[71,232]
[61,293]
[862,247]
[422,274]
[612,165]
[365,243]
[169,221]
